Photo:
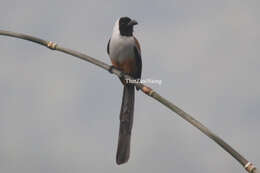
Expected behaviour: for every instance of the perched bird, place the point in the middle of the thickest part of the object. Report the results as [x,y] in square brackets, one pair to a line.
[125,54]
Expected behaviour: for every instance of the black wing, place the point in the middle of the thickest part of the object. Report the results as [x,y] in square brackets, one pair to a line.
[108,46]
[138,62]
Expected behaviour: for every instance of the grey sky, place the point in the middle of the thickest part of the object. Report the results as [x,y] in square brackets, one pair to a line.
[60,114]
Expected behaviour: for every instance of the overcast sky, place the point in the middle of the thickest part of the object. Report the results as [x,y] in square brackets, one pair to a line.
[60,114]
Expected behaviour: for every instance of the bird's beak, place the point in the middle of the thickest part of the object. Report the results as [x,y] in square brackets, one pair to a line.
[132,23]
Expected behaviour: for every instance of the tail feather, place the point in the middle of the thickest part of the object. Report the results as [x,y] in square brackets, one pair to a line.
[126,122]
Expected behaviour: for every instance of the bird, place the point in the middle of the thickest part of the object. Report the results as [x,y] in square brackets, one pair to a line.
[124,51]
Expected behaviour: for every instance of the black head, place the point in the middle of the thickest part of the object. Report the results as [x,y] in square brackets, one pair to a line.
[126,26]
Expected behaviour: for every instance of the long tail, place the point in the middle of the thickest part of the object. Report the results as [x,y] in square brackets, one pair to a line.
[126,122]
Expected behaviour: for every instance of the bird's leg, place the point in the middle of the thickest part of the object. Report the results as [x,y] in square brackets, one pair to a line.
[121,74]
[111,68]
